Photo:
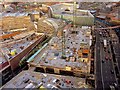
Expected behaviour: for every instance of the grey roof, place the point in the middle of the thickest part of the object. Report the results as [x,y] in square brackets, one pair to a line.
[4,14]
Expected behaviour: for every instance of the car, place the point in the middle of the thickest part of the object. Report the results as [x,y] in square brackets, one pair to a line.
[104,49]
[112,72]
[101,41]
[116,86]
[106,57]
[56,80]
[100,33]
[112,87]
[110,58]
[108,51]
[51,86]
[103,61]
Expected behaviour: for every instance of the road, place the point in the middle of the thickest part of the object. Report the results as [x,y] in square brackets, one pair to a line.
[115,43]
[116,48]
[104,77]
[99,81]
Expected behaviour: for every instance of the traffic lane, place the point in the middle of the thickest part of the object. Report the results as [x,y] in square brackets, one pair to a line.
[98,66]
[106,68]
[111,64]
[108,78]
[116,48]
[98,70]
[112,75]
[118,60]
[101,58]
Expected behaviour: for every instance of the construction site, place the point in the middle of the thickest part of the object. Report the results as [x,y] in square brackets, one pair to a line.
[54,45]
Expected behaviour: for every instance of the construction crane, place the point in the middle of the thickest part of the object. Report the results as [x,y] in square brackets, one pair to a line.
[66,28]
[63,38]
[74,15]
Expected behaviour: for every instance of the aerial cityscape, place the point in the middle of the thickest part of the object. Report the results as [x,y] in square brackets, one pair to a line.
[60,45]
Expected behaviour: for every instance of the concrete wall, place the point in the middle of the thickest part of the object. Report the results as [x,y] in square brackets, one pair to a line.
[79,20]
[82,17]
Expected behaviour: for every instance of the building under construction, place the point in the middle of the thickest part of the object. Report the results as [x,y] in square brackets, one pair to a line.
[56,42]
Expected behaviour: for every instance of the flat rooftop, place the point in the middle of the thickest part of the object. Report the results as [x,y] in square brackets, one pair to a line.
[2,58]
[41,80]
[72,13]
[16,45]
[67,8]
[75,44]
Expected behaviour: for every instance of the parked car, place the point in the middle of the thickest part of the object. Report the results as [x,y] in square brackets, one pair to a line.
[112,72]
[106,58]
[110,58]
[103,61]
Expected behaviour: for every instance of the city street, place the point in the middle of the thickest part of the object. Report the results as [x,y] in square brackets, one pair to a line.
[105,74]
[99,81]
